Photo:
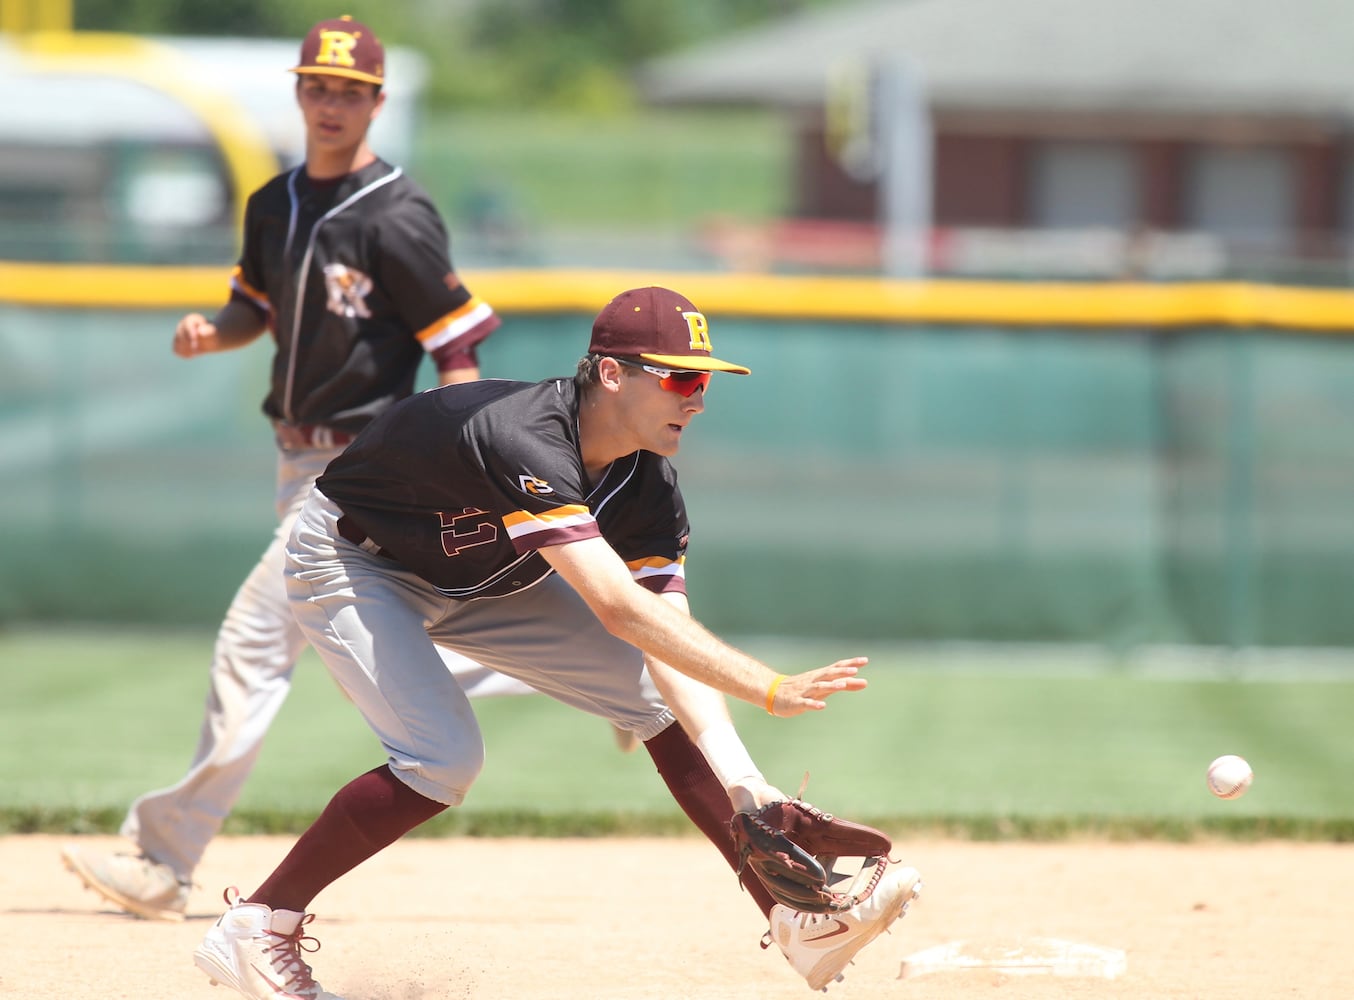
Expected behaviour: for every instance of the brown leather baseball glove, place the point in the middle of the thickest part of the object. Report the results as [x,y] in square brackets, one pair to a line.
[793,847]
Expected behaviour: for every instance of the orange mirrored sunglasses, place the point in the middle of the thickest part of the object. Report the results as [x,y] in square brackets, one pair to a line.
[684,383]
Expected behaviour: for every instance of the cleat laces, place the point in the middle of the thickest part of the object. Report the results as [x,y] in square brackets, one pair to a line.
[286,957]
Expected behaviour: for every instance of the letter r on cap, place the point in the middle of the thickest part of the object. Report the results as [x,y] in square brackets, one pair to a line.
[336,48]
[700,331]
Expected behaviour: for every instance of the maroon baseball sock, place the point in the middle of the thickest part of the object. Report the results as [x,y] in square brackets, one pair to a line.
[701,796]
[369,813]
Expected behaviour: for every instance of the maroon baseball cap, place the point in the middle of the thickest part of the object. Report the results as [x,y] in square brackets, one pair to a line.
[343,47]
[660,326]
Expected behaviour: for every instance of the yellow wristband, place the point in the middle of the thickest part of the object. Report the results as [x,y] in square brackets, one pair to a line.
[771,694]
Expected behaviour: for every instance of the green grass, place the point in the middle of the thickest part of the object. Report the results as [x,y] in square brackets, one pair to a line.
[967,745]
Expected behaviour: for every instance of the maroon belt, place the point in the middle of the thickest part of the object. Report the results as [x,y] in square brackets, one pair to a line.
[310,436]
[348,530]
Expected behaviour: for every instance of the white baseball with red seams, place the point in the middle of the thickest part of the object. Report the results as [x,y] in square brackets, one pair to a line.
[1229,776]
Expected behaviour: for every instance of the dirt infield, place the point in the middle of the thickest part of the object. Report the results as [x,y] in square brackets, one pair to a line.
[663,919]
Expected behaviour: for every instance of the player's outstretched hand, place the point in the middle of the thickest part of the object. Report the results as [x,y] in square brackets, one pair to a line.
[751,793]
[809,691]
[194,335]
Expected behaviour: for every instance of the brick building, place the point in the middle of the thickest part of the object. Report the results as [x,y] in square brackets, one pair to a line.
[1193,137]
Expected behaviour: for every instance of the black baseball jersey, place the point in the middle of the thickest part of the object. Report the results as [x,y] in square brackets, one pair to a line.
[463,484]
[355,278]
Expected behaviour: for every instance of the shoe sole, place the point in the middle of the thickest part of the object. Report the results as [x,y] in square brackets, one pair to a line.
[215,971]
[832,971]
[133,906]
[220,974]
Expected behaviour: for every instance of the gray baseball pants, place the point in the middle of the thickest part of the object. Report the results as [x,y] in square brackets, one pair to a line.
[379,629]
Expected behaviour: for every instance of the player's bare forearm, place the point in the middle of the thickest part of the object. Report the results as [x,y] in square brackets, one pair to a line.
[455,376]
[690,648]
[647,621]
[698,706]
[235,325]
[704,713]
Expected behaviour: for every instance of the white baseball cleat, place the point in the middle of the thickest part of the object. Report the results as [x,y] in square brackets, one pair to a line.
[142,887]
[256,951]
[820,945]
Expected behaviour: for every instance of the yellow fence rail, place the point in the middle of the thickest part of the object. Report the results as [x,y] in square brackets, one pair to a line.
[1098,305]
[19,16]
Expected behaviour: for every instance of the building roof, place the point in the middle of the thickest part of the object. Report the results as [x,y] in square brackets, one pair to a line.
[1255,57]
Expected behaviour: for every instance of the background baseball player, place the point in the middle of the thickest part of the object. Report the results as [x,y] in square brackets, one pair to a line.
[538,528]
[345,260]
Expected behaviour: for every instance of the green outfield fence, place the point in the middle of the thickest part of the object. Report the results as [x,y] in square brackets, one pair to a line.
[1122,464]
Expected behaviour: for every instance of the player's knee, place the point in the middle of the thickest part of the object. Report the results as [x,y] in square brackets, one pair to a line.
[449,781]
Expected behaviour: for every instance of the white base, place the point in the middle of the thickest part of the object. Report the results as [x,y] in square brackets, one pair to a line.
[1019,957]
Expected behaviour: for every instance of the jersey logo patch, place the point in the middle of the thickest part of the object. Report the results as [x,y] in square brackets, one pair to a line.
[347,290]
[536,487]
